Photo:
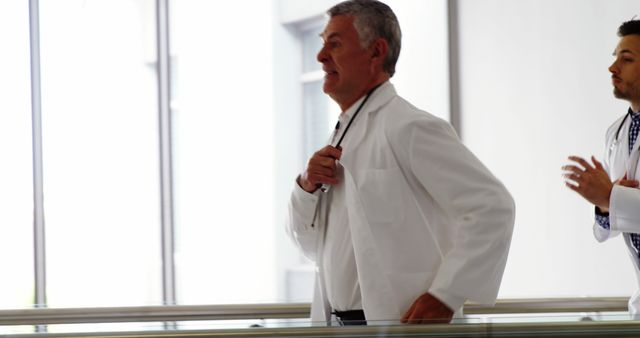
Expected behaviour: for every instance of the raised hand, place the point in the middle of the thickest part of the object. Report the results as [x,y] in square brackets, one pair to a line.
[590,181]
[321,169]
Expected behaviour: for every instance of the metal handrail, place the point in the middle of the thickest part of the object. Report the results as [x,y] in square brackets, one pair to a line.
[278,311]
[550,305]
[606,329]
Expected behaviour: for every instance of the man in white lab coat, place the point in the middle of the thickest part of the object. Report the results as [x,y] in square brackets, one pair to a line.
[612,187]
[402,221]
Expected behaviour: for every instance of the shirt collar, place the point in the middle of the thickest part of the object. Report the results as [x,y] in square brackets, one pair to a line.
[346,115]
[634,116]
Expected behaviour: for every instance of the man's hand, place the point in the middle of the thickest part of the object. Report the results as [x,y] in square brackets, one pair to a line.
[627,183]
[321,169]
[428,309]
[591,182]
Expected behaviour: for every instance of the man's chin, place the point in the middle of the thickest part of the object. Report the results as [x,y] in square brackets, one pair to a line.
[328,88]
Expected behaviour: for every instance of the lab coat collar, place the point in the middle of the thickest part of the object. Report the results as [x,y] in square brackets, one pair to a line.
[379,97]
[633,157]
[385,86]
[623,139]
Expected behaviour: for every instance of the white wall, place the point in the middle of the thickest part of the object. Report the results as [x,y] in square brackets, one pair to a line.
[535,89]
[287,108]
[422,72]
[223,151]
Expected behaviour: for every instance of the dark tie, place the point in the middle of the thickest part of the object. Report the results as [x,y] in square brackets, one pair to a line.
[633,135]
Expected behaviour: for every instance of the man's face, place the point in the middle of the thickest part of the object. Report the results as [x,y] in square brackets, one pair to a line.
[346,64]
[625,70]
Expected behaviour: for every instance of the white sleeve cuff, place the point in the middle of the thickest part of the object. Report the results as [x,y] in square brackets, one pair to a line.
[302,195]
[303,202]
[624,214]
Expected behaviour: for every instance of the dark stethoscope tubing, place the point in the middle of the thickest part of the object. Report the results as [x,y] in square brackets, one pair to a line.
[620,126]
[325,187]
[616,141]
[346,129]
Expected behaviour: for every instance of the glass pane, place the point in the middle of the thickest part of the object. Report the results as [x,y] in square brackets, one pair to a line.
[16,194]
[584,324]
[316,118]
[223,151]
[311,45]
[100,135]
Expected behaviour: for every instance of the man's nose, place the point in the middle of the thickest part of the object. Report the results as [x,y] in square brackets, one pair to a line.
[322,55]
[614,67]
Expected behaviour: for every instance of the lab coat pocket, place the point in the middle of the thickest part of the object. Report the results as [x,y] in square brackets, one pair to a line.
[398,234]
[380,191]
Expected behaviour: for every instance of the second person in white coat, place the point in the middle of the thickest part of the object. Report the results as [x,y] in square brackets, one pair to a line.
[612,187]
[413,224]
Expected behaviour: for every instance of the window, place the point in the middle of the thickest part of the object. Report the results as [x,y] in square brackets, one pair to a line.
[100,153]
[223,151]
[247,111]
[318,117]
[16,197]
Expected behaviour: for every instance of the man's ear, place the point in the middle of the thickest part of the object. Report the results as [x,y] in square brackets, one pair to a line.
[380,48]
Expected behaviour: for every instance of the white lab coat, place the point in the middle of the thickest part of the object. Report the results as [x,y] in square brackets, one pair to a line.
[424,214]
[624,204]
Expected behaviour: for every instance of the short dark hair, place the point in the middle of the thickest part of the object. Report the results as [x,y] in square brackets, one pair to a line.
[631,27]
[373,20]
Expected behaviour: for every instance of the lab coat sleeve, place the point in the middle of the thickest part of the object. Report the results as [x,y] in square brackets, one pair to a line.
[601,227]
[481,207]
[599,232]
[624,209]
[300,224]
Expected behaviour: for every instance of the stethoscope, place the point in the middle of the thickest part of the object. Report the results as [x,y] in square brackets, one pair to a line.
[616,140]
[325,187]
